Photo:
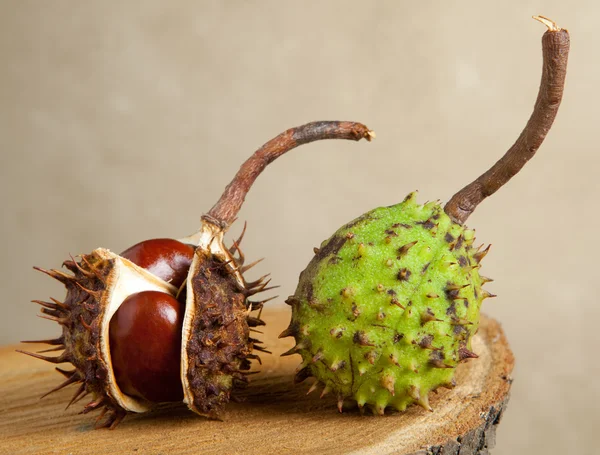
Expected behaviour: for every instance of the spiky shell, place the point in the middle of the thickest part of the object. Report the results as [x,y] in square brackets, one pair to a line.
[386,309]
[100,282]
[216,346]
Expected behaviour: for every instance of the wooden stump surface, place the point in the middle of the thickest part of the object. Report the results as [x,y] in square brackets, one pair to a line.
[275,416]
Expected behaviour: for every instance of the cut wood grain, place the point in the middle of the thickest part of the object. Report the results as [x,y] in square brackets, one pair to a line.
[274,416]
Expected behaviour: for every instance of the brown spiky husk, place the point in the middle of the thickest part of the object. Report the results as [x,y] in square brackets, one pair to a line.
[218,352]
[220,346]
[79,317]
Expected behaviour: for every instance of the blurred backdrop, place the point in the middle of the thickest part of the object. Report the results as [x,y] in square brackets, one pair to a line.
[124,120]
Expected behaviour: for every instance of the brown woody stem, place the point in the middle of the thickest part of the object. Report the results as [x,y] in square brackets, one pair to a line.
[226,209]
[555,48]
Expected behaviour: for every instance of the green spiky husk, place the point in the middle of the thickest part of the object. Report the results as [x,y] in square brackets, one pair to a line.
[386,309]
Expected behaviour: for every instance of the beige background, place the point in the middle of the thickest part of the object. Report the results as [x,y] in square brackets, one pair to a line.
[121,121]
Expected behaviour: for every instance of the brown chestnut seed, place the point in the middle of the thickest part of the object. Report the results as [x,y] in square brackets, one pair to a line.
[124,357]
[145,346]
[168,259]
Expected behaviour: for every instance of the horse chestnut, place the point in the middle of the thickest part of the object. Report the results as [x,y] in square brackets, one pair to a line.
[126,334]
[168,259]
[145,346]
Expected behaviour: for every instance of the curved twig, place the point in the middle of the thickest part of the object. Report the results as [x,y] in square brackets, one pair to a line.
[226,209]
[555,47]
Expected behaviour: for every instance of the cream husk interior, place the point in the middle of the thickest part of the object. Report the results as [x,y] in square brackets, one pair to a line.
[210,238]
[125,279]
